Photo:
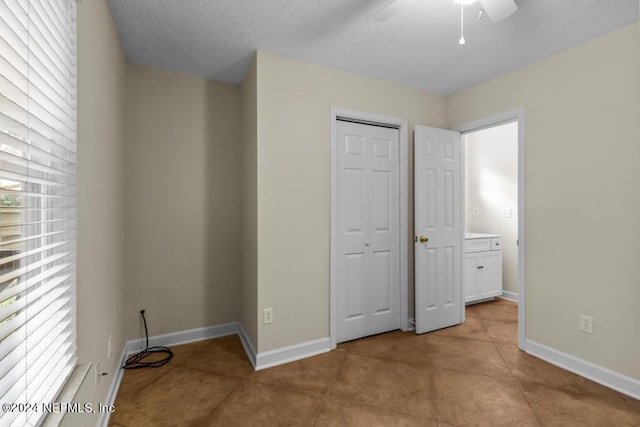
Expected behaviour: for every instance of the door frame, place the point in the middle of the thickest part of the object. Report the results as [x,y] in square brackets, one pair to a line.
[516,115]
[403,127]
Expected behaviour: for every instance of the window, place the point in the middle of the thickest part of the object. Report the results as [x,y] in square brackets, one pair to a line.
[37,202]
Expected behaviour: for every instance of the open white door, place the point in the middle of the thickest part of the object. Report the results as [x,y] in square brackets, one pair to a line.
[438,228]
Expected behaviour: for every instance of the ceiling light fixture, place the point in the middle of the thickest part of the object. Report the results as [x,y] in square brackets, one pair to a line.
[496,10]
[462,40]
[462,4]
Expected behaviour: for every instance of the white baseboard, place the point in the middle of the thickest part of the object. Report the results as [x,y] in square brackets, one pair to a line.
[599,374]
[248,346]
[511,296]
[283,355]
[103,420]
[267,359]
[183,337]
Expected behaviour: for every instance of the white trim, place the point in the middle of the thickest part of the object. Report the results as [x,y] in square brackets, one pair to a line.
[517,115]
[597,373]
[183,337]
[463,225]
[103,419]
[292,353]
[403,128]
[248,346]
[68,393]
[511,296]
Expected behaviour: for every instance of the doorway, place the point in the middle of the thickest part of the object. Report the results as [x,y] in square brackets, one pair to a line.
[494,205]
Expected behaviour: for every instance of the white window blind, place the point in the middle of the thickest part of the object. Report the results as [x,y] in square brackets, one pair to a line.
[37,202]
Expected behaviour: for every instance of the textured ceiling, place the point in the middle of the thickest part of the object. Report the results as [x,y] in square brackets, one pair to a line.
[417,47]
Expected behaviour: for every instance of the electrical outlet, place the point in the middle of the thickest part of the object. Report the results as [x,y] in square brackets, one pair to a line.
[507,213]
[268,316]
[109,346]
[586,323]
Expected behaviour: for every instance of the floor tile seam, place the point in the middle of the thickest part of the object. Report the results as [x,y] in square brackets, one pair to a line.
[633,408]
[478,374]
[389,359]
[219,404]
[436,405]
[370,405]
[482,413]
[256,379]
[619,397]
[497,320]
[286,387]
[221,374]
[169,369]
[337,374]
[467,337]
[514,381]
[319,410]
[494,340]
[430,372]
[481,374]
[519,385]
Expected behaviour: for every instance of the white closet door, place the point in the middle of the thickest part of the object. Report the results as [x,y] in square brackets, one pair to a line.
[368,208]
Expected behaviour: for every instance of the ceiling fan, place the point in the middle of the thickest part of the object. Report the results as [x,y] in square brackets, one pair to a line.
[496,10]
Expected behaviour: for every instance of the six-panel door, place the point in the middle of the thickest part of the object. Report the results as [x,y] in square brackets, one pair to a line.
[368,230]
[438,221]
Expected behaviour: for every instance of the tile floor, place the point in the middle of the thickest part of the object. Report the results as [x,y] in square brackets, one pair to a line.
[468,375]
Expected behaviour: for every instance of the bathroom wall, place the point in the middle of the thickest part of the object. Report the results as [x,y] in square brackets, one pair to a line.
[491,191]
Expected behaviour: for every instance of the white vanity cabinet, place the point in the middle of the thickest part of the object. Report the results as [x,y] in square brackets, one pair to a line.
[482,266]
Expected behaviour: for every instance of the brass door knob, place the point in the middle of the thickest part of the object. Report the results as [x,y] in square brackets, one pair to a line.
[424,239]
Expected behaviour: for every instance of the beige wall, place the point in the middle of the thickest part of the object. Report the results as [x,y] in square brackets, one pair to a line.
[294,105]
[249,234]
[226,191]
[182,201]
[100,283]
[582,210]
[491,186]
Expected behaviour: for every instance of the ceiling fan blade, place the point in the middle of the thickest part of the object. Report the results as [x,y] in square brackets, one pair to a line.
[391,9]
[497,10]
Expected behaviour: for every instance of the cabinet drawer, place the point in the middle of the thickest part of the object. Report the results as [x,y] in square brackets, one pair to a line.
[496,244]
[477,245]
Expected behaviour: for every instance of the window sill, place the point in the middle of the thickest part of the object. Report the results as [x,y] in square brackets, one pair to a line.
[68,393]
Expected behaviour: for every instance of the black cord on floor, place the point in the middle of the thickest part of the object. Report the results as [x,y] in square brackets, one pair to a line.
[136,361]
